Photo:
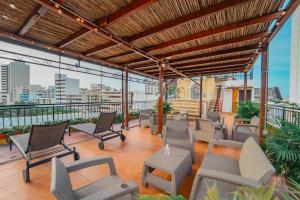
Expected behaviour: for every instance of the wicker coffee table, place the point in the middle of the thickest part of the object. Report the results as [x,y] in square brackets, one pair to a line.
[178,164]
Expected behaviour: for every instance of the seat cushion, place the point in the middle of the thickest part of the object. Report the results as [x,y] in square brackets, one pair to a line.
[99,185]
[87,127]
[221,163]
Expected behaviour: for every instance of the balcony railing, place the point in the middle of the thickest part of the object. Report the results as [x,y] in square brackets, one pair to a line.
[289,114]
[16,115]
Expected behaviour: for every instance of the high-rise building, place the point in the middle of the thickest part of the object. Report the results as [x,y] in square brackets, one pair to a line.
[14,75]
[295,58]
[66,89]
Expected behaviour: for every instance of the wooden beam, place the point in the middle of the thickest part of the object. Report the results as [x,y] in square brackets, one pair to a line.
[91,26]
[124,12]
[216,60]
[205,70]
[130,65]
[136,61]
[216,53]
[206,61]
[76,36]
[290,8]
[208,73]
[285,15]
[38,12]
[187,18]
[101,48]
[218,71]
[211,66]
[216,44]
[210,32]
[218,30]
[118,15]
[53,48]
[263,91]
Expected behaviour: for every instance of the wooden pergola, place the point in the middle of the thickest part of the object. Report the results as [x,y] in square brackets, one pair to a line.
[165,39]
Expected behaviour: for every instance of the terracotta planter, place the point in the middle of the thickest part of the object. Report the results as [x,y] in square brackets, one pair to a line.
[3,138]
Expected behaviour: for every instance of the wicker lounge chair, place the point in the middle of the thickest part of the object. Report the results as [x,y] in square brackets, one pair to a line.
[41,144]
[108,188]
[178,134]
[102,130]
[252,169]
[144,117]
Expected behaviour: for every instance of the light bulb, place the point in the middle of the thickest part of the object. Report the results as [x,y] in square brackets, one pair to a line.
[12,6]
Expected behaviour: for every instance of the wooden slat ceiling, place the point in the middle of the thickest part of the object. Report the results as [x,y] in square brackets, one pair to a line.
[192,37]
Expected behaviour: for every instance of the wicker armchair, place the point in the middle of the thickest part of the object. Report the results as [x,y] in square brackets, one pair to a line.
[144,117]
[110,187]
[243,129]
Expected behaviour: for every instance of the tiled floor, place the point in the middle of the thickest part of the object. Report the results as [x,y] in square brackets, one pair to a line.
[128,158]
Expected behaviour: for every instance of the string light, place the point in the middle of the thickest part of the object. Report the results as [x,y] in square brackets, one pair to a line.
[95,29]
[12,5]
[82,20]
[59,11]
[78,19]
[5,16]
[56,5]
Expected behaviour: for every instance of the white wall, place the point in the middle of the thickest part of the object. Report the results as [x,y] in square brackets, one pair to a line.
[227,100]
[295,58]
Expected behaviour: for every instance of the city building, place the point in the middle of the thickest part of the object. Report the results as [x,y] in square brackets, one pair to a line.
[274,94]
[45,96]
[14,75]
[295,58]
[66,89]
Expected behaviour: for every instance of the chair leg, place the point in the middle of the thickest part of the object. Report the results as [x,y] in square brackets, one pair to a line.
[10,145]
[69,131]
[26,174]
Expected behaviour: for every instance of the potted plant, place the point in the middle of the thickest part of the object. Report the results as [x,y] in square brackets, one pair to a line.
[247,110]
[167,107]
[3,138]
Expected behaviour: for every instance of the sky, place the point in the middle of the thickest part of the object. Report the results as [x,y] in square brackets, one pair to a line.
[279,66]
[279,61]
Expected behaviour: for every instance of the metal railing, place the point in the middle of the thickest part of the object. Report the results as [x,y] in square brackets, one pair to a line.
[16,115]
[289,114]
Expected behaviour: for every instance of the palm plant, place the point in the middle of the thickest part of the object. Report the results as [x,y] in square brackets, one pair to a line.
[167,107]
[268,192]
[283,149]
[247,110]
